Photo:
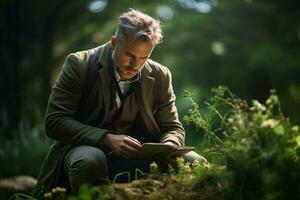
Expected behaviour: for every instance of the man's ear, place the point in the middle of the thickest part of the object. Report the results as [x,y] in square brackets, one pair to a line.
[113,41]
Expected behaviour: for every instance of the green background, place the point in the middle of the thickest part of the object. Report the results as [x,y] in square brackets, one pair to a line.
[250,46]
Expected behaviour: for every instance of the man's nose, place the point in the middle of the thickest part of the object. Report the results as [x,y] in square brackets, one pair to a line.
[134,64]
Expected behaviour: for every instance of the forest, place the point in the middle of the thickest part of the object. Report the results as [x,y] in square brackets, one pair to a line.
[235,68]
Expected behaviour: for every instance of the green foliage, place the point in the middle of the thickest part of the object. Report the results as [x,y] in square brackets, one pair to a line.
[20,196]
[262,153]
[22,158]
[194,116]
[92,193]
[260,147]
[258,157]
[260,54]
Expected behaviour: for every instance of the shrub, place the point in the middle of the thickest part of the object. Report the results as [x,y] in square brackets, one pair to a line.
[260,148]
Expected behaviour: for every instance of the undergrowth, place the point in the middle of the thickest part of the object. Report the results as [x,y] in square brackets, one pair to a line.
[259,146]
[254,149]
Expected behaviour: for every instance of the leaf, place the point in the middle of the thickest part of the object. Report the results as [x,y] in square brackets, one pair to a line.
[279,130]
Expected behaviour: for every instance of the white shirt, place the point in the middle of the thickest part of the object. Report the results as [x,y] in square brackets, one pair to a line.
[124,86]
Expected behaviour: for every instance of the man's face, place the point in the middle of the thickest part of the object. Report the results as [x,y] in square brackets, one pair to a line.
[130,57]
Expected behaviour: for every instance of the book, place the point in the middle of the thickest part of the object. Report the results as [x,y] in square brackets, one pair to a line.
[151,151]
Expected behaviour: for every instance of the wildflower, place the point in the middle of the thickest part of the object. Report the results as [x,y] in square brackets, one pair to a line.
[272,123]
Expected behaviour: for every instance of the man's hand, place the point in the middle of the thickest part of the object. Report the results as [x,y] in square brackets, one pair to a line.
[122,145]
[170,160]
[170,143]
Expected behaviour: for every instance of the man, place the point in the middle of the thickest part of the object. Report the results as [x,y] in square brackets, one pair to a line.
[100,118]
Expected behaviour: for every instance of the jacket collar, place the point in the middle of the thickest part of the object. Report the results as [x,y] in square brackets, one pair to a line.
[103,57]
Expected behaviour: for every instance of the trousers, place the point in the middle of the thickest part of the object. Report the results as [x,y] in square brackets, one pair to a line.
[88,164]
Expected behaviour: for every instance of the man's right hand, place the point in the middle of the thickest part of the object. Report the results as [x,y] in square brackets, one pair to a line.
[122,145]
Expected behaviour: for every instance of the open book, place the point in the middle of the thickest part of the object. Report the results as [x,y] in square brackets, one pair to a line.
[152,151]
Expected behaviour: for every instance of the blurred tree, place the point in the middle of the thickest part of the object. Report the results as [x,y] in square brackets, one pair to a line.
[248,45]
[26,54]
[36,36]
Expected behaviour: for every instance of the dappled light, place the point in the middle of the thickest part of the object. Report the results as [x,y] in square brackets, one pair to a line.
[234,67]
[97,6]
[164,12]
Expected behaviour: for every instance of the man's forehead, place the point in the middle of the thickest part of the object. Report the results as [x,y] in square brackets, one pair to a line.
[138,47]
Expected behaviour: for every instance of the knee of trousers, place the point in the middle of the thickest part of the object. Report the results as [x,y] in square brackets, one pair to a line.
[193,156]
[86,160]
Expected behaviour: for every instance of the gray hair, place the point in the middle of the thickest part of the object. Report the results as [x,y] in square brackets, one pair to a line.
[135,25]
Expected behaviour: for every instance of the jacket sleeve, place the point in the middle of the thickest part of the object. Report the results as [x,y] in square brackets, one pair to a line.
[60,122]
[166,113]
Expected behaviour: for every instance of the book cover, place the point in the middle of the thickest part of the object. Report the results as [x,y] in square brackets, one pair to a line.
[151,151]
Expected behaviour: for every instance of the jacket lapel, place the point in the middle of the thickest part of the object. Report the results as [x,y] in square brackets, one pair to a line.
[145,91]
[106,90]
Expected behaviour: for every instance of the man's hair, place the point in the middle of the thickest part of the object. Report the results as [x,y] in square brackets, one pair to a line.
[135,25]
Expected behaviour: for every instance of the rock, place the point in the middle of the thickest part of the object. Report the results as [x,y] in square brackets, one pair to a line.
[18,183]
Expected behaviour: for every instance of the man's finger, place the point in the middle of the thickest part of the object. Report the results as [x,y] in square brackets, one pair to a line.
[122,153]
[134,139]
[128,149]
[133,143]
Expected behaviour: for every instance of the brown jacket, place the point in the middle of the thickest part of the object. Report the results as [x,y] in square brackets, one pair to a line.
[71,122]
